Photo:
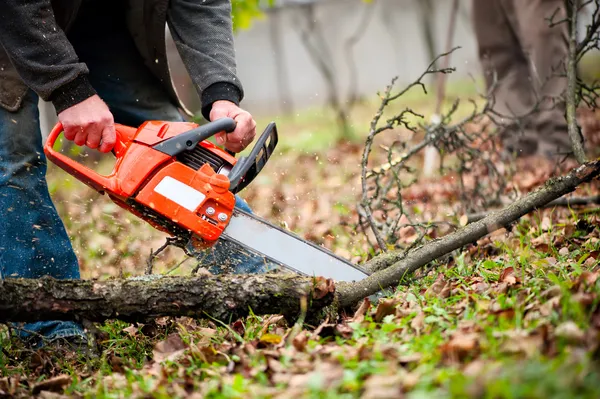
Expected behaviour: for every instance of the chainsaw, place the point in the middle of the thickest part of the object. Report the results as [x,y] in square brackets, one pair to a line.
[171,176]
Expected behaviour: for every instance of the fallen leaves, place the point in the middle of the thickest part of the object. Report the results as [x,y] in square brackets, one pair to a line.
[570,332]
[440,288]
[169,349]
[520,342]
[385,308]
[509,277]
[496,303]
[359,315]
[54,384]
[460,347]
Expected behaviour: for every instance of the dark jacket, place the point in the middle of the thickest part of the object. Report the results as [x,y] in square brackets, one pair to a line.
[36,53]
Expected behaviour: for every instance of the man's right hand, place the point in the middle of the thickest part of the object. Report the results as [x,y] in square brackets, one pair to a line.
[89,122]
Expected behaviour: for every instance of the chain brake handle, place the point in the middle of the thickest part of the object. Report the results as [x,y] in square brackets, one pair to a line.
[248,167]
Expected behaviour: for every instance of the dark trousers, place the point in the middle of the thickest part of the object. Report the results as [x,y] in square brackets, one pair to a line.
[523,60]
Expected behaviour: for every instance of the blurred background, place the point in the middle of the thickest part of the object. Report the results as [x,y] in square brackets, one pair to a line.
[299,58]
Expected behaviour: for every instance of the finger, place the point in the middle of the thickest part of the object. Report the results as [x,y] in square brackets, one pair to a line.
[109,138]
[244,133]
[81,135]
[221,137]
[218,113]
[93,139]
[238,145]
[70,131]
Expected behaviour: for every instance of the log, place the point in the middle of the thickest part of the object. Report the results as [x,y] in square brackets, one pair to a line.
[229,297]
[225,297]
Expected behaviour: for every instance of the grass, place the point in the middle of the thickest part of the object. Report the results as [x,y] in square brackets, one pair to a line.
[495,341]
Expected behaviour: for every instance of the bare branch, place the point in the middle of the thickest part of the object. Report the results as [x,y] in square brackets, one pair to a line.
[571,96]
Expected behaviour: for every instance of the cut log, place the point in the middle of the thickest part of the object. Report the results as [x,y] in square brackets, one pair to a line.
[226,297]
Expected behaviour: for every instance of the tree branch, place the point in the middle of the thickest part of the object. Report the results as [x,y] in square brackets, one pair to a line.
[573,127]
[567,202]
[414,260]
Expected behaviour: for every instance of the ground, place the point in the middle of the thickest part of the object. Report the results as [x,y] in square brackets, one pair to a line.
[515,315]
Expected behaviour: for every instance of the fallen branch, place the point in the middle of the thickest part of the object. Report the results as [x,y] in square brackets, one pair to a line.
[566,202]
[228,297]
[388,276]
[225,297]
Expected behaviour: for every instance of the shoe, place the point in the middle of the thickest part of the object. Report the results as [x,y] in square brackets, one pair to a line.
[73,347]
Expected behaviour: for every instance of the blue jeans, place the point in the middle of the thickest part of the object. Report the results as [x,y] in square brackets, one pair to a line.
[33,239]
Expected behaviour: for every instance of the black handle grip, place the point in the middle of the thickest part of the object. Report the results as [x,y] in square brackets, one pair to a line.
[247,168]
[188,140]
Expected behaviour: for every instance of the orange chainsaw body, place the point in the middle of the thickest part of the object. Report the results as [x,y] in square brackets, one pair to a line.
[161,189]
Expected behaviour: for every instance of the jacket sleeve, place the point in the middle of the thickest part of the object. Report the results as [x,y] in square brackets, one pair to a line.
[203,34]
[41,53]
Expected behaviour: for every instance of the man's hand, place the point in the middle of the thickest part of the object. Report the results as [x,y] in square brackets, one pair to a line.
[245,130]
[91,123]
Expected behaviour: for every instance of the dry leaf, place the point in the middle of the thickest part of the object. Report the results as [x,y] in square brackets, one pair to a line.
[380,386]
[271,339]
[546,224]
[131,330]
[508,276]
[440,288]
[522,342]
[169,349]
[300,341]
[418,322]
[384,308]
[412,358]
[344,330]
[570,332]
[359,315]
[273,319]
[54,384]
[322,287]
[460,346]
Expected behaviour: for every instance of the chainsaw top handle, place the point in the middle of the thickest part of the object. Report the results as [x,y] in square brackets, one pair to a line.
[187,141]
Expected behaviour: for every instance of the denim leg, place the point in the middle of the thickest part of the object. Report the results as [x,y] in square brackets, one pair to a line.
[133,94]
[33,239]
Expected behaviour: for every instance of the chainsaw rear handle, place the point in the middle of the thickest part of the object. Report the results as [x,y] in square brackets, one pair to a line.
[93,179]
[187,141]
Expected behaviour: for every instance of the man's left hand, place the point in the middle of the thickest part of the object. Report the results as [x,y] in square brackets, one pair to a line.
[245,130]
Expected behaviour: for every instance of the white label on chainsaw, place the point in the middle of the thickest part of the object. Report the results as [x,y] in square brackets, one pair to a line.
[180,193]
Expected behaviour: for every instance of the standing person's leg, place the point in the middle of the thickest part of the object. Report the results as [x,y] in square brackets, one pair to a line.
[134,95]
[546,49]
[505,69]
[33,239]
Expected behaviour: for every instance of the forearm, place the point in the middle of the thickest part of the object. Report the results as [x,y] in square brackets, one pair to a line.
[42,54]
[203,34]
